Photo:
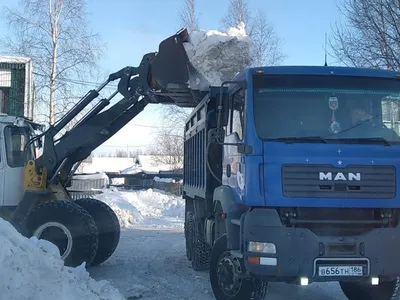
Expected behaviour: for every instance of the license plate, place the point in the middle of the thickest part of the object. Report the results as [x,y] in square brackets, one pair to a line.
[340,271]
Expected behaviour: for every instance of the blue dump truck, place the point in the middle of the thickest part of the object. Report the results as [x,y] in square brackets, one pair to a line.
[290,175]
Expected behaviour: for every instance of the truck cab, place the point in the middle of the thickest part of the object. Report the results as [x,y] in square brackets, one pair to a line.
[15,132]
[297,181]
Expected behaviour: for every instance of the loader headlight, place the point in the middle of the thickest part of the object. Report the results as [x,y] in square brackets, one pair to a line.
[268,248]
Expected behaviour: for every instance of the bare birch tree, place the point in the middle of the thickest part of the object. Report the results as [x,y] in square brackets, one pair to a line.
[168,149]
[267,45]
[57,36]
[238,11]
[188,15]
[267,49]
[370,36]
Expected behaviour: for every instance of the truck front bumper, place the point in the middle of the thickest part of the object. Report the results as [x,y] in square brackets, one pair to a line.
[300,253]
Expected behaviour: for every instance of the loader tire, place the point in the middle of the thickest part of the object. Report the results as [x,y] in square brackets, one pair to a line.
[389,290]
[224,283]
[108,227]
[200,249]
[69,227]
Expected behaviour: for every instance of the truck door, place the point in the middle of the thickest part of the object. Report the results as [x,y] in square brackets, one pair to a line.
[233,174]
[15,139]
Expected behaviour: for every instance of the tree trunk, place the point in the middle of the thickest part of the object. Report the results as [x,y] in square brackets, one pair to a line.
[53,72]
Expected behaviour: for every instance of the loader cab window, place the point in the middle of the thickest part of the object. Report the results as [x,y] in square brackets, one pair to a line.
[15,141]
[236,114]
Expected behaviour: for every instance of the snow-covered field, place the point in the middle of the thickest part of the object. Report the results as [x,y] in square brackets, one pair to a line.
[150,262]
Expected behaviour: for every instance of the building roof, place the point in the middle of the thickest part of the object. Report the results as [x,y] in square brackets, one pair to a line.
[14,59]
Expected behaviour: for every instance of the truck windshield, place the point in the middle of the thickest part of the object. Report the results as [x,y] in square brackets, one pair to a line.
[323,108]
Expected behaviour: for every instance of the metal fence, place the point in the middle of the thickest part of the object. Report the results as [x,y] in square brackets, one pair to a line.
[87,186]
[91,185]
[75,195]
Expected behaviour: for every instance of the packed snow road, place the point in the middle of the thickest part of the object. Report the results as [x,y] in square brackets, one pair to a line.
[150,262]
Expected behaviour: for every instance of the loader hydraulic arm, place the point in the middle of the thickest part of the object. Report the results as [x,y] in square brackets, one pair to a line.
[161,77]
[97,125]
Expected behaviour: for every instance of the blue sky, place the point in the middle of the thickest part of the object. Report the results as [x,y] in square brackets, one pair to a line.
[131,28]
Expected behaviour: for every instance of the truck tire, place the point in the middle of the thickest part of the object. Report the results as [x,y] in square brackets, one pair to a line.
[200,249]
[109,230]
[224,283]
[384,291]
[69,227]
[189,235]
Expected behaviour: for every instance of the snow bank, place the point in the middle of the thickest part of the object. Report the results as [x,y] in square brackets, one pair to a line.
[32,269]
[150,207]
[218,56]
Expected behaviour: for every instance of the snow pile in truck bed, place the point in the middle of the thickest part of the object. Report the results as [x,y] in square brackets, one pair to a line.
[153,208]
[219,56]
[32,269]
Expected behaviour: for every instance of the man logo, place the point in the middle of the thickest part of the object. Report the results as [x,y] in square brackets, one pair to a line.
[339,176]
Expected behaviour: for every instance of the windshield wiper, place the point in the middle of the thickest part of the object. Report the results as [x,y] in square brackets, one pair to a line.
[369,140]
[300,139]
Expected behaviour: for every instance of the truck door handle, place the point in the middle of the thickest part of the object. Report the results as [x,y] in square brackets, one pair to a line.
[228,170]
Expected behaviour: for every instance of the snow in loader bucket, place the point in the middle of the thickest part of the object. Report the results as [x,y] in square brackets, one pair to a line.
[202,58]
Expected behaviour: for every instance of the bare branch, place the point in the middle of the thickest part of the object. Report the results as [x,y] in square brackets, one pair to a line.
[266,42]
[188,17]
[370,36]
[238,11]
[57,36]
[168,149]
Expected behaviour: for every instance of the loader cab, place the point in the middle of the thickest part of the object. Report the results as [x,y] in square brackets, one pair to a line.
[14,133]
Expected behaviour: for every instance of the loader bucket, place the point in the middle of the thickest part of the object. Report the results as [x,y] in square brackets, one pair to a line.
[171,64]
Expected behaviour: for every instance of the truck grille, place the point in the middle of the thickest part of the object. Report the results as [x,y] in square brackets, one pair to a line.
[327,181]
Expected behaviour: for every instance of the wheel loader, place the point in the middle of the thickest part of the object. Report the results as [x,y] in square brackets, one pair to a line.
[34,195]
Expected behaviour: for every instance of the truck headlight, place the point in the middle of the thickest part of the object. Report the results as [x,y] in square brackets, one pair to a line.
[268,248]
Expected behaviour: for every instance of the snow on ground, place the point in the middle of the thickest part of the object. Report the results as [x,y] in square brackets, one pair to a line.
[150,262]
[150,207]
[33,270]
[219,56]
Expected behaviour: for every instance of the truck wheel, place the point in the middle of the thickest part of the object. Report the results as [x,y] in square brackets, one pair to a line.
[189,235]
[69,227]
[225,282]
[108,227]
[384,291]
[201,250]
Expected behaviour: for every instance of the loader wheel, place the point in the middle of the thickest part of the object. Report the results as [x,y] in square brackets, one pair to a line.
[225,280]
[200,249]
[189,235]
[107,225]
[69,227]
[388,290]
